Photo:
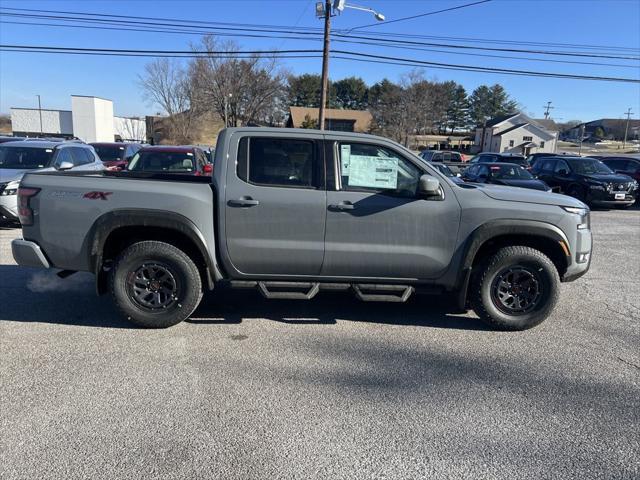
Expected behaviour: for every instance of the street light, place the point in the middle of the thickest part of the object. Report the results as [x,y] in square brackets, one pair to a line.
[324,10]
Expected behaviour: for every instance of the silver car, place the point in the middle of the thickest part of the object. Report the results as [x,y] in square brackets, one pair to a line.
[17,158]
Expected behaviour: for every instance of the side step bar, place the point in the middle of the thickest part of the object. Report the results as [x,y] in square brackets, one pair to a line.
[367,292]
[372,292]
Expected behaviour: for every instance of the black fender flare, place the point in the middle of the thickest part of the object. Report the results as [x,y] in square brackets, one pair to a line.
[497,228]
[113,220]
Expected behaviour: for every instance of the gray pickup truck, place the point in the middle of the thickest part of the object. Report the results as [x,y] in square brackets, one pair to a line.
[292,212]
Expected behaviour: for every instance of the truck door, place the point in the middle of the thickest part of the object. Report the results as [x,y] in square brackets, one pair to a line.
[275,208]
[377,224]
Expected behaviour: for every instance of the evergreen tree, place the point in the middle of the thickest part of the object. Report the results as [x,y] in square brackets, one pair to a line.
[351,93]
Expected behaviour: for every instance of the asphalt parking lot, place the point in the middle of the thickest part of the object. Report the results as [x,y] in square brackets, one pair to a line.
[330,388]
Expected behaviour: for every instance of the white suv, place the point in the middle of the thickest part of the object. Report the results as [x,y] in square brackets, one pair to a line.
[17,158]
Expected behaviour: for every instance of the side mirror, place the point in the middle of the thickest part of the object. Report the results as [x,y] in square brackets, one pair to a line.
[563,172]
[429,186]
[64,166]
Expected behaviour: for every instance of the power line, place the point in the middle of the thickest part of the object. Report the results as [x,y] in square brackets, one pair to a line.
[276,53]
[342,40]
[357,37]
[422,14]
[305,30]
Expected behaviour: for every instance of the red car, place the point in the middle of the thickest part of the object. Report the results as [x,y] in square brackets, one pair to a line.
[185,160]
[115,155]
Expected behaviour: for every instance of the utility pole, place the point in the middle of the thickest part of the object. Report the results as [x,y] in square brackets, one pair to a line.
[325,64]
[40,112]
[547,109]
[626,129]
[325,11]
[226,109]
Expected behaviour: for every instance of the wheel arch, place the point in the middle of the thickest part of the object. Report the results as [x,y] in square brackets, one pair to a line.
[114,231]
[490,237]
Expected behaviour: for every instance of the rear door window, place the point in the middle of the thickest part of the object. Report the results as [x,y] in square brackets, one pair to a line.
[284,162]
[79,156]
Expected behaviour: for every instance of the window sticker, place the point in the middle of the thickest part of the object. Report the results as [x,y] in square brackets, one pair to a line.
[345,158]
[373,172]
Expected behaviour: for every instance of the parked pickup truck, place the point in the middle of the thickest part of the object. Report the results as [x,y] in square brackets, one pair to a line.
[293,212]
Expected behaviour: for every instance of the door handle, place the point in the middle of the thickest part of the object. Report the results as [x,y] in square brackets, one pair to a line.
[243,202]
[342,206]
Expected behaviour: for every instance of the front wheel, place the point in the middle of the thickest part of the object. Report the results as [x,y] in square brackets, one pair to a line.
[155,284]
[516,289]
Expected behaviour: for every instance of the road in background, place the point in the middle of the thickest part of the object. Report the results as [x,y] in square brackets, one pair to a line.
[330,388]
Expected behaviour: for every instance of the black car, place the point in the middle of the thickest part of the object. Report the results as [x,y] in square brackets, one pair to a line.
[494,157]
[587,179]
[510,174]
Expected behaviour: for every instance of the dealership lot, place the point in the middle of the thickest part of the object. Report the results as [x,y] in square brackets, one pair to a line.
[330,388]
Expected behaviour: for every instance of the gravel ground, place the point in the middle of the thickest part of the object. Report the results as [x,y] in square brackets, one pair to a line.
[330,388]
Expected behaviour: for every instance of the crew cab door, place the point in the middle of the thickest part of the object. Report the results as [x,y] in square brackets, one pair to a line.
[275,204]
[377,224]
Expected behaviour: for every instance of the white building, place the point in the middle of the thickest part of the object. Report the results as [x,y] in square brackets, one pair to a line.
[515,133]
[90,119]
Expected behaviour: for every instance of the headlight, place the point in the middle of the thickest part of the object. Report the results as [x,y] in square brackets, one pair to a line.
[10,189]
[584,216]
[634,185]
[596,186]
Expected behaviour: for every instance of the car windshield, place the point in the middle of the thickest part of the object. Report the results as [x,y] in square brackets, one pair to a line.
[588,166]
[445,170]
[109,153]
[176,162]
[509,172]
[24,158]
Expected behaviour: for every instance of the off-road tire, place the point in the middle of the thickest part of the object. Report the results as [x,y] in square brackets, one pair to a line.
[485,302]
[184,275]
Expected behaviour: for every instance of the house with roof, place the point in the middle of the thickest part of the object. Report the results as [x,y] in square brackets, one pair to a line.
[515,133]
[335,119]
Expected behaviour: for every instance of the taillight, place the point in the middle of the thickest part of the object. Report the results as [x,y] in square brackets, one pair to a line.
[25,213]
[208,169]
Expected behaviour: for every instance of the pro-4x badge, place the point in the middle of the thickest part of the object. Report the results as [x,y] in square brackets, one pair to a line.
[97,195]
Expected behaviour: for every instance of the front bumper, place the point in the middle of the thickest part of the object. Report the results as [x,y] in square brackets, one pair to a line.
[602,198]
[28,254]
[583,246]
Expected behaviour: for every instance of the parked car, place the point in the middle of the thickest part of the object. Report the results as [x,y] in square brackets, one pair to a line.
[18,158]
[624,165]
[441,156]
[534,157]
[493,157]
[291,213]
[116,155]
[447,172]
[587,179]
[510,174]
[185,160]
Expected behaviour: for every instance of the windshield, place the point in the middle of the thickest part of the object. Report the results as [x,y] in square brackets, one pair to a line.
[109,154]
[509,172]
[176,162]
[25,158]
[444,169]
[588,166]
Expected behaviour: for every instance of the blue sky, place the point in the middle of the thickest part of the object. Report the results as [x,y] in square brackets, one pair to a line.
[607,22]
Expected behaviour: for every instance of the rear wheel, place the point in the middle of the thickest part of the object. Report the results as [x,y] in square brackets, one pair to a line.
[515,289]
[155,284]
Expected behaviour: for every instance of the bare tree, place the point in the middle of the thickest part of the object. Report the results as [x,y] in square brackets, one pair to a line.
[166,83]
[241,90]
